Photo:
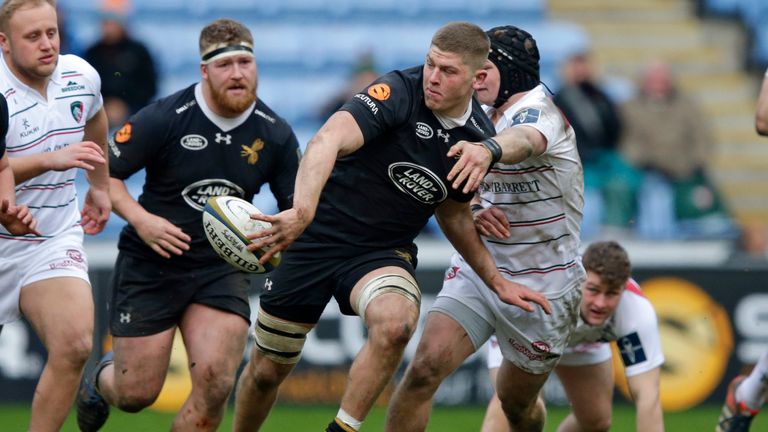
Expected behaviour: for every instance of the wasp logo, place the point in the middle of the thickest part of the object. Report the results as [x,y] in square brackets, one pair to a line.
[252,152]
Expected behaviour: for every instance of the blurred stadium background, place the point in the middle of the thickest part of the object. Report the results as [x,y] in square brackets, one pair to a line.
[711,307]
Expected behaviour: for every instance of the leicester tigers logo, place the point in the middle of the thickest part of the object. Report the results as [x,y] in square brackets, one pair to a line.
[76,109]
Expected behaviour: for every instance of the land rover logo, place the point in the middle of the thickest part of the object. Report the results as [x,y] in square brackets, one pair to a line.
[418,182]
[423,130]
[194,142]
[197,194]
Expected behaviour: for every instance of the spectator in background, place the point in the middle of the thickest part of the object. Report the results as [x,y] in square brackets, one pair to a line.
[609,183]
[668,138]
[128,77]
[363,73]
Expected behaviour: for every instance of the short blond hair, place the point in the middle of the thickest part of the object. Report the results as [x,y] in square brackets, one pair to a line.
[465,39]
[11,6]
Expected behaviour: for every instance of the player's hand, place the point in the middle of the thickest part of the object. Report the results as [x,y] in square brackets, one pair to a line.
[83,154]
[96,210]
[522,296]
[491,222]
[17,219]
[474,161]
[287,226]
[162,236]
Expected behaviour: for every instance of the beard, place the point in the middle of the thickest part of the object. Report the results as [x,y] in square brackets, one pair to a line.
[233,104]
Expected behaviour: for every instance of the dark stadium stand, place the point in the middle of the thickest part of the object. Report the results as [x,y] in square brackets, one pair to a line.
[754,14]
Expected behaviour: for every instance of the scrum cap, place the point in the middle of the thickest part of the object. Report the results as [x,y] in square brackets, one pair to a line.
[515,54]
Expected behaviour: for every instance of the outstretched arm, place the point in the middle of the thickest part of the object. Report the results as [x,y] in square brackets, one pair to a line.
[645,391]
[510,146]
[456,222]
[338,137]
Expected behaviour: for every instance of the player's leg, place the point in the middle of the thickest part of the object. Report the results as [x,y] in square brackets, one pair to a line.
[754,389]
[387,299]
[745,396]
[590,391]
[215,341]
[60,309]
[494,420]
[444,345]
[276,351]
[518,392]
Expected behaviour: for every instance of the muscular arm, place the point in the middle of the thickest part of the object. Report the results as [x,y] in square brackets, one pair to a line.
[517,144]
[96,131]
[645,392]
[339,136]
[7,191]
[456,222]
[761,115]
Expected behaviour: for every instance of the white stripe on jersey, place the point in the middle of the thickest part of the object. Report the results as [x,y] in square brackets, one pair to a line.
[542,198]
[39,125]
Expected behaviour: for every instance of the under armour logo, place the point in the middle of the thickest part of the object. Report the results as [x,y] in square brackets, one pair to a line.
[268,285]
[227,139]
[443,135]
[125,318]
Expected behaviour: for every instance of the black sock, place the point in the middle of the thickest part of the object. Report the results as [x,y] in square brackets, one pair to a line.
[334,426]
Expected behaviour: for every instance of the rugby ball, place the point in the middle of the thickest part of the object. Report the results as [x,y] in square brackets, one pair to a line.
[226,222]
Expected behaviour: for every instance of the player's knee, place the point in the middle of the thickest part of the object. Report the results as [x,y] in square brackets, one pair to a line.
[596,424]
[392,333]
[405,305]
[73,351]
[215,385]
[424,372]
[135,399]
[278,340]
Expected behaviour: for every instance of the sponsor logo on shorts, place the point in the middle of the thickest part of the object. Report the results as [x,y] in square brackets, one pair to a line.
[75,255]
[522,349]
[418,182]
[194,142]
[197,194]
[424,131]
[371,104]
[452,273]
[379,91]
[75,261]
[540,346]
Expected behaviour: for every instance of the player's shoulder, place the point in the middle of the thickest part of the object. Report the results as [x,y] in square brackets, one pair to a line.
[264,112]
[634,305]
[171,106]
[71,65]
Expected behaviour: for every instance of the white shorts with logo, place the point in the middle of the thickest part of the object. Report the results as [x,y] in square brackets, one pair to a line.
[59,256]
[532,341]
[580,355]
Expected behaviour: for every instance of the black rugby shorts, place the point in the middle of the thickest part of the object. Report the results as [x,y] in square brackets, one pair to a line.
[149,297]
[310,274]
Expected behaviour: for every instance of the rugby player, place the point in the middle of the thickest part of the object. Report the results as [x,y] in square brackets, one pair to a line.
[214,137]
[613,308]
[56,125]
[528,210]
[369,181]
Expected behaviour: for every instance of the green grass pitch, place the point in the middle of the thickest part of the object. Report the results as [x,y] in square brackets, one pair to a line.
[314,418]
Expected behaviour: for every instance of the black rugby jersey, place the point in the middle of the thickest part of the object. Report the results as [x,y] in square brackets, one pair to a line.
[383,194]
[3,123]
[188,159]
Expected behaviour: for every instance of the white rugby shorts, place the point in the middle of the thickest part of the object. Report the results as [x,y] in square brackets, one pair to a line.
[579,355]
[59,256]
[532,341]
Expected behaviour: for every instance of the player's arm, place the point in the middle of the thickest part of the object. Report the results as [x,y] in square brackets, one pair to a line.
[456,222]
[97,205]
[512,145]
[158,233]
[761,115]
[16,219]
[645,392]
[339,136]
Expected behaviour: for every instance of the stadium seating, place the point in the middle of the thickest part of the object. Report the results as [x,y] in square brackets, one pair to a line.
[754,14]
[306,49]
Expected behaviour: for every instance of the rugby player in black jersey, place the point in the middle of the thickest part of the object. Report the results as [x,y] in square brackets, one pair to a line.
[212,138]
[371,178]
[15,218]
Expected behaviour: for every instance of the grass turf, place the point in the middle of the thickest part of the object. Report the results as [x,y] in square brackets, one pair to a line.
[314,418]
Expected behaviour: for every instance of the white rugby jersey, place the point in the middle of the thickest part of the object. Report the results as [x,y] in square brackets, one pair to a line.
[542,198]
[37,126]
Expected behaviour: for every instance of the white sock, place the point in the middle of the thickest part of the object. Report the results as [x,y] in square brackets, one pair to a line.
[752,391]
[349,420]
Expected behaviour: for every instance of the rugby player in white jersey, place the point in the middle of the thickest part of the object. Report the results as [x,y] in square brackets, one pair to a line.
[56,125]
[613,308]
[535,198]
